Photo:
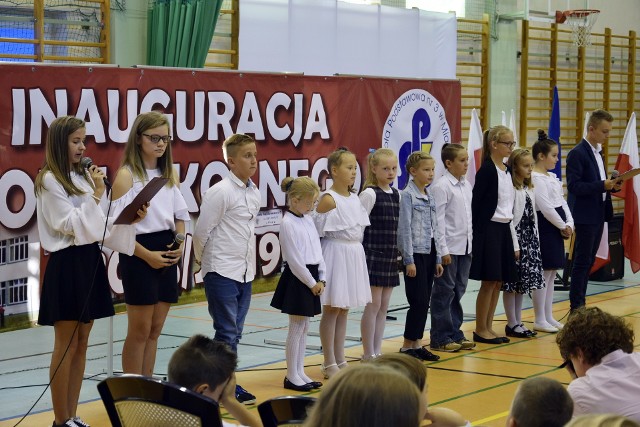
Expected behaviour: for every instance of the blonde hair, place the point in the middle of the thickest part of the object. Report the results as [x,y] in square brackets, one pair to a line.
[335,159]
[514,160]
[409,366]
[601,420]
[57,156]
[231,145]
[367,395]
[298,188]
[415,158]
[133,153]
[492,134]
[373,159]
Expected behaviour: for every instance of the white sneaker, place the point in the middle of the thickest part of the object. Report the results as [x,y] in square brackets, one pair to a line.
[544,327]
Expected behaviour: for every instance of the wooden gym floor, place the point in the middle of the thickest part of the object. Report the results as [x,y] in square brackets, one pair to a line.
[479,383]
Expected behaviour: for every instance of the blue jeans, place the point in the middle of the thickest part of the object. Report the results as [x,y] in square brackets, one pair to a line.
[446,310]
[229,302]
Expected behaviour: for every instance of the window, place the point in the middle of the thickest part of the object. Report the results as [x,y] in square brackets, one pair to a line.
[14,250]
[13,291]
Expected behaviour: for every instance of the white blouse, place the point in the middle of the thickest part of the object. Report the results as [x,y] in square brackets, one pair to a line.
[346,222]
[300,245]
[504,210]
[65,220]
[549,196]
[165,207]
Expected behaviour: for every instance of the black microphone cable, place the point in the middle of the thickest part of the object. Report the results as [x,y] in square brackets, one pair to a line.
[75,330]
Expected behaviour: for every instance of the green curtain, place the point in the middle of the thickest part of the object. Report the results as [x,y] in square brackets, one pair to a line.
[179,32]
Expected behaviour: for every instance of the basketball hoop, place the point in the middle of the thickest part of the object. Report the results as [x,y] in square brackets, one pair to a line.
[581,22]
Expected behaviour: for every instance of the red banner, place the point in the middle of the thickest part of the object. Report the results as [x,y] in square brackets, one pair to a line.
[296,120]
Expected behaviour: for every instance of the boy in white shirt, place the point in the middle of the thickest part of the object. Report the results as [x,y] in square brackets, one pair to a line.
[224,244]
[452,193]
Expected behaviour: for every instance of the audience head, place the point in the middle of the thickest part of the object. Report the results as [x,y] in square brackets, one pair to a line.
[367,395]
[64,136]
[590,334]
[150,131]
[599,126]
[203,365]
[498,139]
[301,193]
[601,420]
[521,164]
[540,402]
[340,164]
[378,162]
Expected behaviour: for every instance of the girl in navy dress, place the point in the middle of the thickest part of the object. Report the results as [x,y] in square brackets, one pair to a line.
[303,278]
[555,223]
[382,203]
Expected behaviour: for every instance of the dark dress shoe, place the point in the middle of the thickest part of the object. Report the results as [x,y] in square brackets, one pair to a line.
[291,386]
[315,384]
[478,338]
[511,332]
[529,331]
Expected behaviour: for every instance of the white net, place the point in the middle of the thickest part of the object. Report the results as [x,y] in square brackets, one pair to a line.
[581,22]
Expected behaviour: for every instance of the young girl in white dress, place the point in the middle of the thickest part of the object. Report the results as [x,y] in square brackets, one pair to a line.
[303,279]
[555,224]
[150,275]
[341,219]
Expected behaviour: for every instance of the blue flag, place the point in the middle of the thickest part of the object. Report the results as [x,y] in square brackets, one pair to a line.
[554,130]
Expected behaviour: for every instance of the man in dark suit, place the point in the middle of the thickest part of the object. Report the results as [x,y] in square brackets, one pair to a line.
[589,200]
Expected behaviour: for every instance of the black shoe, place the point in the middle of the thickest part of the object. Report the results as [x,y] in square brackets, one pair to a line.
[421,354]
[478,338]
[529,331]
[511,332]
[504,339]
[315,384]
[291,386]
[244,396]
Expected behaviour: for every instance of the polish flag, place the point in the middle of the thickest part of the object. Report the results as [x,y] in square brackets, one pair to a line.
[474,147]
[512,125]
[627,160]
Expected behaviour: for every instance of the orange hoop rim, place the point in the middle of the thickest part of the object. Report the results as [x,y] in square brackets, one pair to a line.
[581,13]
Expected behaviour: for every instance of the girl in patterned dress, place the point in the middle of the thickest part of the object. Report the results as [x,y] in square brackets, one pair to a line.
[341,219]
[382,202]
[529,265]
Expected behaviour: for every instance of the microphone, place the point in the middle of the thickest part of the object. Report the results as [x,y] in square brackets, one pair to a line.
[614,174]
[178,239]
[86,163]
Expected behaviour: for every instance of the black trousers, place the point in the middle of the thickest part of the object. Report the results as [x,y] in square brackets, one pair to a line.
[418,291]
[584,254]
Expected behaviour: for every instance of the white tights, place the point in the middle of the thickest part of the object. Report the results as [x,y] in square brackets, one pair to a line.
[295,350]
[543,301]
[373,321]
[513,309]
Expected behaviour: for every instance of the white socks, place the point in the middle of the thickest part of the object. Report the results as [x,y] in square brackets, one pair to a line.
[543,303]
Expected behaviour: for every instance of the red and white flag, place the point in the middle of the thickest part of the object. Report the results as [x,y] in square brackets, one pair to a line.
[627,160]
[474,147]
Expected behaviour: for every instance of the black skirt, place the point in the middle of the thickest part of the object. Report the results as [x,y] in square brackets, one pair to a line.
[144,285]
[294,297]
[551,242]
[493,257]
[75,286]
